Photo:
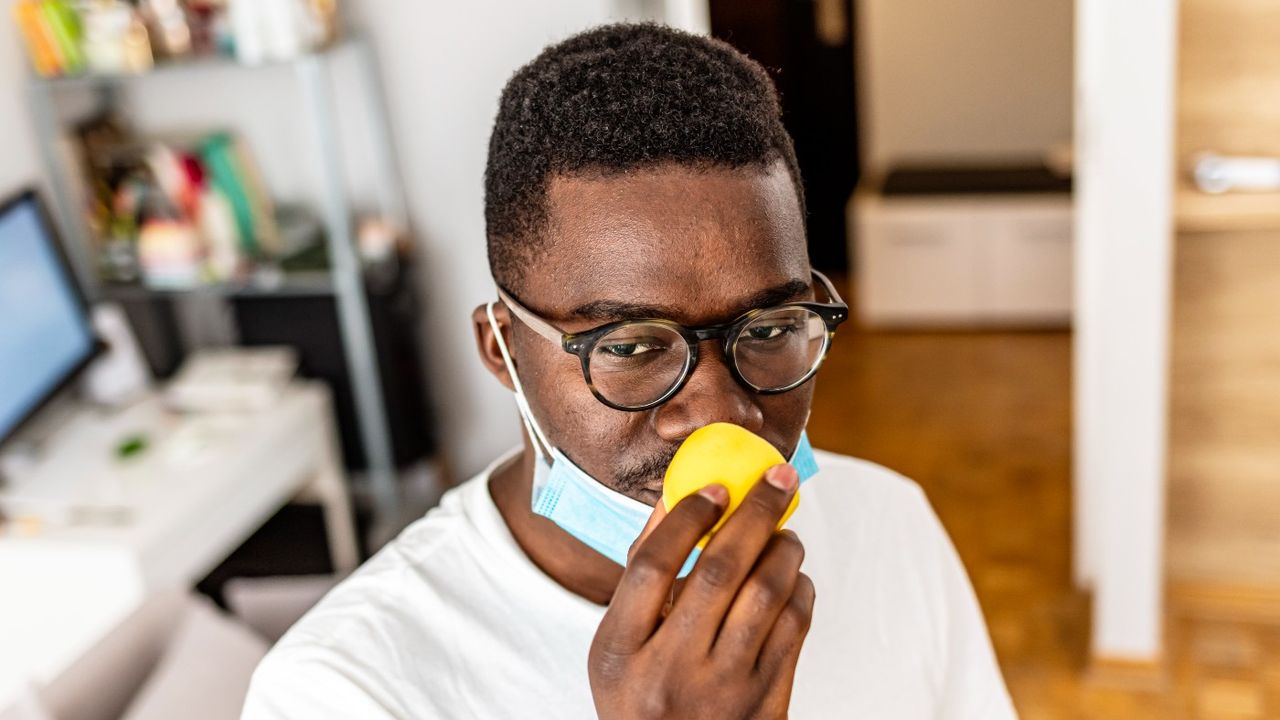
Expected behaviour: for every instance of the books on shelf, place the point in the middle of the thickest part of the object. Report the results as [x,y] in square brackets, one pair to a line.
[182,211]
[233,173]
[51,31]
[114,37]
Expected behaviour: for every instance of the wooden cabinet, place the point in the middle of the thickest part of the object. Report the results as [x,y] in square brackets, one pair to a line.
[1224,433]
[983,260]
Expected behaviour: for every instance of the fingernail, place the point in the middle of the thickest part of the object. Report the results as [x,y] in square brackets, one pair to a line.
[717,494]
[782,477]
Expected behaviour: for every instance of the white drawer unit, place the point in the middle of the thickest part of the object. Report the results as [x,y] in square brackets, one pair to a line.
[962,260]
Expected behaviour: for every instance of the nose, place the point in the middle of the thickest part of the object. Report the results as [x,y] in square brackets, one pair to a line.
[712,394]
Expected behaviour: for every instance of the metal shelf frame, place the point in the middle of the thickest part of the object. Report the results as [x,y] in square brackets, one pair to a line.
[345,280]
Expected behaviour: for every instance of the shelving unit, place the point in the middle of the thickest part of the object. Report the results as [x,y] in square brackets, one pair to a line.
[1199,212]
[345,278]
[308,284]
[1224,433]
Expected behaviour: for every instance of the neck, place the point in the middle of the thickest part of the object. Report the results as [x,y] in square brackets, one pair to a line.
[573,565]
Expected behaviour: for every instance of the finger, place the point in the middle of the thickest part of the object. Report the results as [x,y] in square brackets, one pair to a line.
[782,647]
[730,555]
[762,599]
[776,702]
[659,512]
[643,592]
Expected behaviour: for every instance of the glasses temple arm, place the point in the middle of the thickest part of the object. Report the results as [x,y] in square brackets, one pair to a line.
[826,285]
[533,322]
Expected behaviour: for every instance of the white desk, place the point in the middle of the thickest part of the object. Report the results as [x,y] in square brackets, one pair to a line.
[202,486]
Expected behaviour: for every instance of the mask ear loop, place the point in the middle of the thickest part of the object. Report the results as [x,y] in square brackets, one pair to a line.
[803,428]
[522,404]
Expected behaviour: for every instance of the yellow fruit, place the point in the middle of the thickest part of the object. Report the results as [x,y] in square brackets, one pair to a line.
[726,454]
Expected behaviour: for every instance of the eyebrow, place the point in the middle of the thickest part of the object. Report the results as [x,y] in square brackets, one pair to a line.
[609,310]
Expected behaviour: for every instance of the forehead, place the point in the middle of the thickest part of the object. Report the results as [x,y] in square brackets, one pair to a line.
[698,240]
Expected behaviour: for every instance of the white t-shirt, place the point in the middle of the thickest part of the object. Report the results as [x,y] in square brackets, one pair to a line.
[452,620]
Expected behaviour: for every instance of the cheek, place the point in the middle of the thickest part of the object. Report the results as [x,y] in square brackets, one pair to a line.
[571,416]
[785,415]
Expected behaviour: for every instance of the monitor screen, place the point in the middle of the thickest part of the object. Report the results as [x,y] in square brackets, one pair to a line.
[45,335]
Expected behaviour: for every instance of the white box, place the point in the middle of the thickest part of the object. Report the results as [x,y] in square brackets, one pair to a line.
[962,260]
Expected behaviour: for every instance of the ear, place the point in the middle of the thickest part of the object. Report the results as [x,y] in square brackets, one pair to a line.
[487,342]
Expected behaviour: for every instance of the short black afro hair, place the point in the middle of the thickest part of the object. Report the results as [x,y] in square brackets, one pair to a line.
[613,99]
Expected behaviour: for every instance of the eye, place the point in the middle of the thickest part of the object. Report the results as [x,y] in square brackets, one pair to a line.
[769,332]
[629,349]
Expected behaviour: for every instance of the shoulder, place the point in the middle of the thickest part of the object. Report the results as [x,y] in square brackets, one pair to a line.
[862,522]
[347,654]
[878,551]
[299,680]
[848,488]
[402,572]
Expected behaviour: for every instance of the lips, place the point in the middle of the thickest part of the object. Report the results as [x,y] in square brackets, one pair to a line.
[643,480]
[650,495]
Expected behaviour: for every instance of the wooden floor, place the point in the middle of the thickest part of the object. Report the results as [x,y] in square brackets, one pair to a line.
[982,422]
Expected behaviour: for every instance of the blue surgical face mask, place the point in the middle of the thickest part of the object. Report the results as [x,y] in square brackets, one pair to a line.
[604,519]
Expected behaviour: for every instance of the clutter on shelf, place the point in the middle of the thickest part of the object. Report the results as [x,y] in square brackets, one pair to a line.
[232,379]
[111,37]
[1218,174]
[179,212]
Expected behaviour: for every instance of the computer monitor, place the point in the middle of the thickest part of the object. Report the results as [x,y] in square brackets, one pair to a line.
[46,338]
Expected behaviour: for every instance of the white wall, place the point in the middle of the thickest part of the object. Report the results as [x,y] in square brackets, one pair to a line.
[444,65]
[944,78]
[1124,246]
[19,159]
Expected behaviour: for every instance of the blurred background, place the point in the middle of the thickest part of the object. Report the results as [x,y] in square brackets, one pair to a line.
[242,240]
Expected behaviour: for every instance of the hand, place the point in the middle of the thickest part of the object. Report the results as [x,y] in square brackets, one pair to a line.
[728,644]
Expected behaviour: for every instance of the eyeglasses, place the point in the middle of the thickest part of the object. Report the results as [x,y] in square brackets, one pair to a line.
[635,365]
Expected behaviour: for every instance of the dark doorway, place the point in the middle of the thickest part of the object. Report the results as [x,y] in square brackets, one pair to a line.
[808,48]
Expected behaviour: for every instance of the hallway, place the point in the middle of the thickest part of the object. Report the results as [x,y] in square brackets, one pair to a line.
[982,421]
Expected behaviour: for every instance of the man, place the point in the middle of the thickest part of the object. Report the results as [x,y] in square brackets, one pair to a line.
[645,224]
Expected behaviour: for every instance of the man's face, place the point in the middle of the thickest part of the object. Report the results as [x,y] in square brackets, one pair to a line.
[698,247]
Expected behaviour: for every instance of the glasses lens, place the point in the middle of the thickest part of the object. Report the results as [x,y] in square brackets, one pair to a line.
[637,363]
[779,348]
